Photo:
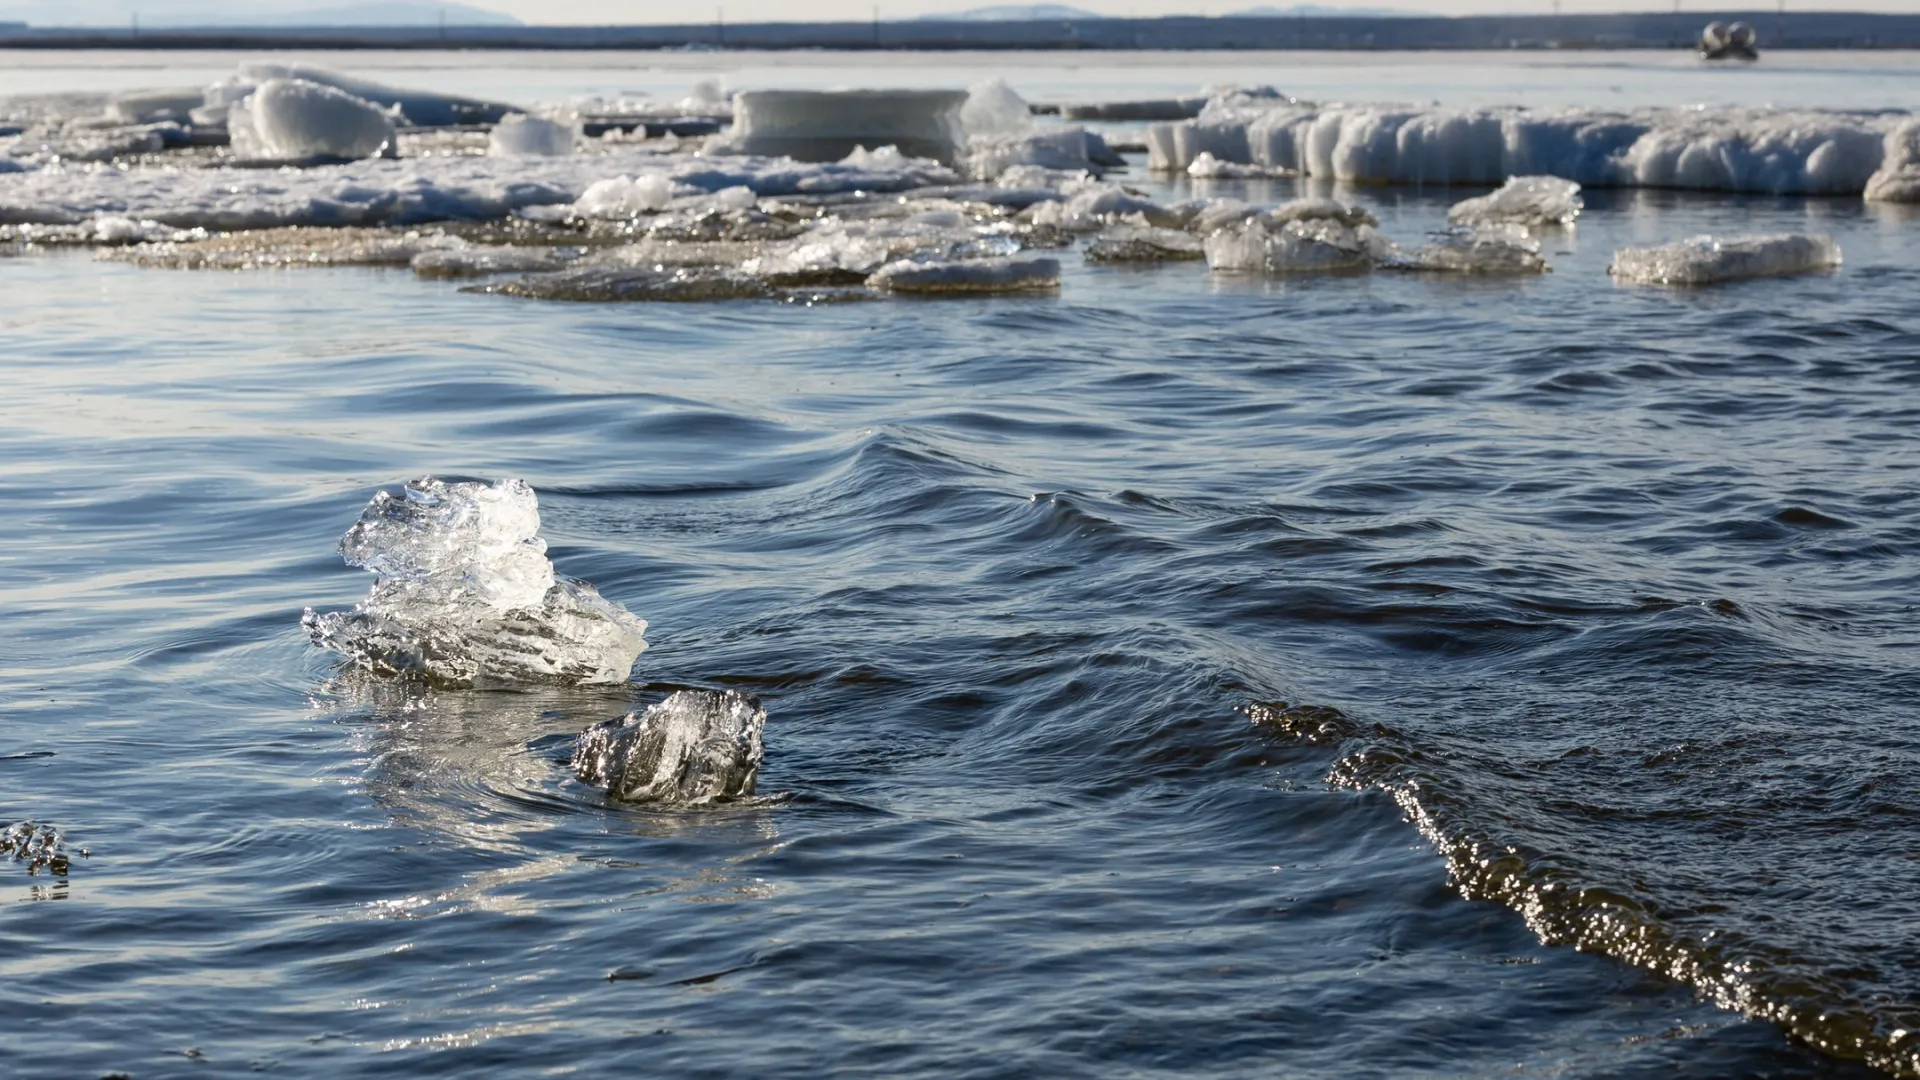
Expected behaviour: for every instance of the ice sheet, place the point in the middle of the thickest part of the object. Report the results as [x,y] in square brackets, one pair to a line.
[293,120]
[464,595]
[1522,200]
[824,125]
[1708,260]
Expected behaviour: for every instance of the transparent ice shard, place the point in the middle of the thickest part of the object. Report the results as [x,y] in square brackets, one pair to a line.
[968,276]
[696,747]
[1490,252]
[464,595]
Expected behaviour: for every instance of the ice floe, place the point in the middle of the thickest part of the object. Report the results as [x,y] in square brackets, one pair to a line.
[695,748]
[1127,243]
[825,125]
[1707,260]
[969,276]
[1522,200]
[1898,179]
[1312,246]
[423,107]
[1489,252]
[464,595]
[518,134]
[627,284]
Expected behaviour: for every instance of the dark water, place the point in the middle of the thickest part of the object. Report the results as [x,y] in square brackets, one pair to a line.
[1109,640]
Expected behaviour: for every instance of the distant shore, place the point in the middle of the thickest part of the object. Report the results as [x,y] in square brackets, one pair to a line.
[1777,30]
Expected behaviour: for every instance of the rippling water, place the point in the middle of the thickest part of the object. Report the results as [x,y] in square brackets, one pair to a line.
[1110,643]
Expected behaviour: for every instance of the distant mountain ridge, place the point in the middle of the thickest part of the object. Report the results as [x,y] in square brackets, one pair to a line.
[245,13]
[1323,11]
[1013,13]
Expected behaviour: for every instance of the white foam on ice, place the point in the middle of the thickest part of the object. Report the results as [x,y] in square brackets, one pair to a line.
[518,134]
[1898,178]
[464,595]
[1522,200]
[293,120]
[1756,150]
[1708,260]
[969,276]
[823,125]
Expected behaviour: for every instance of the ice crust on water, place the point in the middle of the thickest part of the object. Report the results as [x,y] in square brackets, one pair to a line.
[464,595]
[824,125]
[293,120]
[1707,260]
[1757,150]
[695,748]
[969,276]
[1522,200]
[1898,178]
[518,134]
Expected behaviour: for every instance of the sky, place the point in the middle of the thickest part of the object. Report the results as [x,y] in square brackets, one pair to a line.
[683,11]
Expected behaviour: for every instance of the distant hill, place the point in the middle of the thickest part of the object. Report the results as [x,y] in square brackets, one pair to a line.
[1322,11]
[1014,13]
[177,13]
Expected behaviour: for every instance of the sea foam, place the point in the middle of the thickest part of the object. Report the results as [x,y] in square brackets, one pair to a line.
[464,595]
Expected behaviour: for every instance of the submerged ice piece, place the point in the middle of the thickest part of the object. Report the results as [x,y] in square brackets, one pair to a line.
[293,120]
[465,595]
[1522,200]
[1707,260]
[827,125]
[697,746]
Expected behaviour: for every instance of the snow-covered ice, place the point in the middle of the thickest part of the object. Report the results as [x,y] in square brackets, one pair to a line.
[1898,179]
[423,107]
[1522,200]
[518,134]
[1707,260]
[696,747]
[295,120]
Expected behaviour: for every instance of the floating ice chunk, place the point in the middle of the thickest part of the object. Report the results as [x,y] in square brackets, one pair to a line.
[1059,150]
[1522,200]
[280,248]
[1316,246]
[112,229]
[994,109]
[40,847]
[1099,205]
[625,196]
[1706,260]
[518,134]
[292,120]
[969,276]
[708,98]
[694,748]
[464,595]
[1348,214]
[1207,167]
[1144,243]
[1203,216]
[474,262]
[152,106]
[825,125]
[1490,252]
[1898,179]
[630,284]
[421,107]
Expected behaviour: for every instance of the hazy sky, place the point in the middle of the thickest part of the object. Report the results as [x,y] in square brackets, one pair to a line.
[681,11]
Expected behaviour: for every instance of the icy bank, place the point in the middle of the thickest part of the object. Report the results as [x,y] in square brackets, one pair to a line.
[1756,150]
[293,120]
[827,125]
[1898,179]
[464,595]
[694,748]
[1707,260]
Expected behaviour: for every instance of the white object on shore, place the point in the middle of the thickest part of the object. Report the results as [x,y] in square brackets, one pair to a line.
[520,135]
[1708,260]
[293,120]
[1522,200]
